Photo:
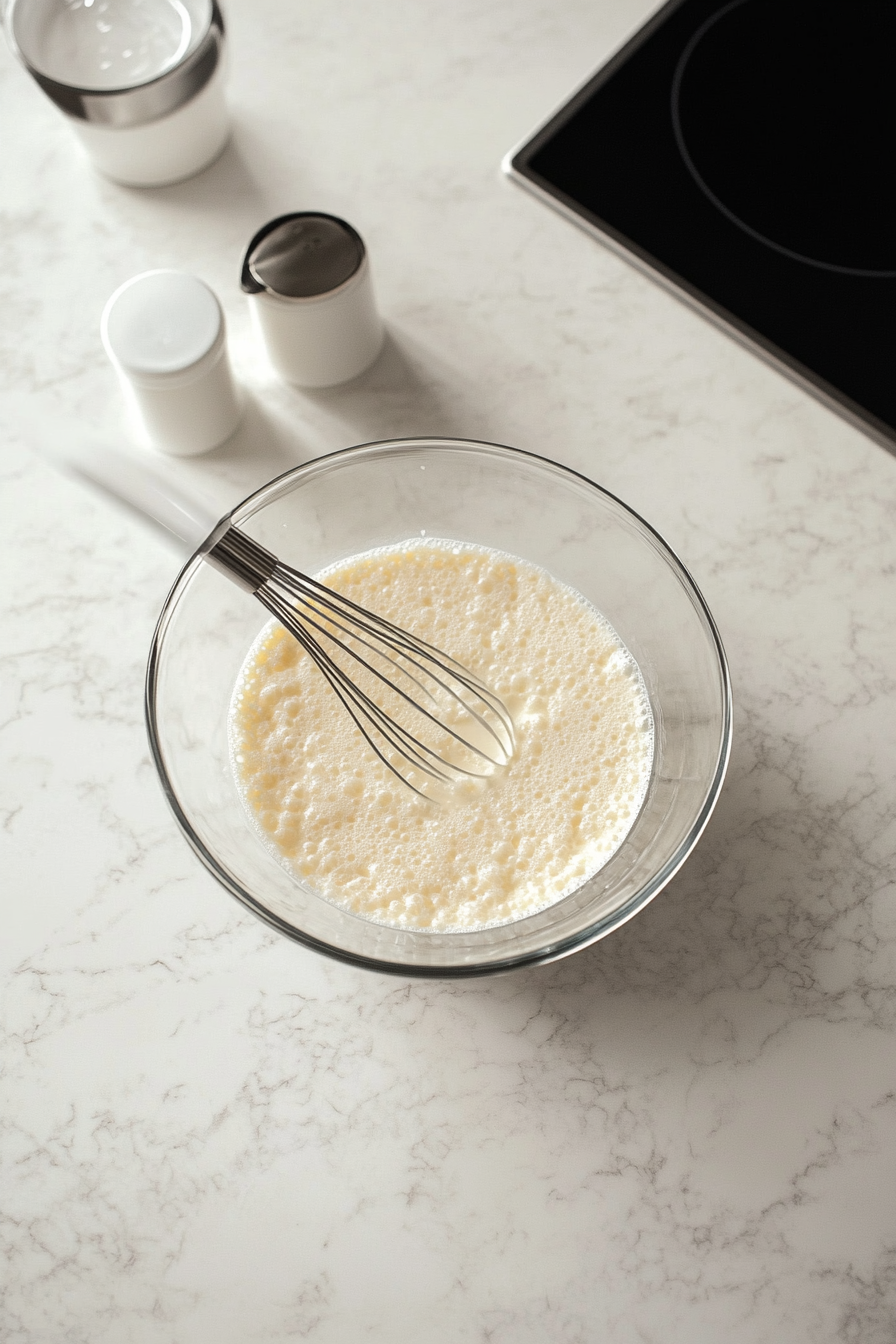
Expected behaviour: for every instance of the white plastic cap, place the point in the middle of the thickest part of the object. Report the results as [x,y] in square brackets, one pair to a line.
[161,322]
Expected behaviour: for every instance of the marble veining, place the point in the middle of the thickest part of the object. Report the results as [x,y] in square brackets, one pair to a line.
[209,1136]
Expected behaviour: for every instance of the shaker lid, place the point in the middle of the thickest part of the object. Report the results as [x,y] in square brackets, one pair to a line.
[301,256]
[161,322]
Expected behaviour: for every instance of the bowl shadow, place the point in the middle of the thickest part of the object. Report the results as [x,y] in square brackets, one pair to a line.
[742,917]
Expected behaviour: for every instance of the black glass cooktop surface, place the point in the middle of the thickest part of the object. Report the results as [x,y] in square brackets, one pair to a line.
[746,152]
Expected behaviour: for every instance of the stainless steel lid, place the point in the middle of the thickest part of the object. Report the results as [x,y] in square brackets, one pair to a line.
[31,33]
[302,256]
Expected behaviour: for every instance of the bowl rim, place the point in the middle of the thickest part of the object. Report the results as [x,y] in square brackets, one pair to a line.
[551,951]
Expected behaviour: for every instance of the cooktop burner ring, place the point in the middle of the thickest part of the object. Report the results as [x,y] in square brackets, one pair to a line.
[699,178]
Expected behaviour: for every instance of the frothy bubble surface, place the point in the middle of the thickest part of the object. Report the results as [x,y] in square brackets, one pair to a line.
[340,823]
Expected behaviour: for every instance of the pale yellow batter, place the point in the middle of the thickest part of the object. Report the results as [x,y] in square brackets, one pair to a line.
[343,825]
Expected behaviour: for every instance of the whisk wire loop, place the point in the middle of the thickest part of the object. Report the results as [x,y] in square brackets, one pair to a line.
[359,706]
[321,620]
[315,594]
[307,607]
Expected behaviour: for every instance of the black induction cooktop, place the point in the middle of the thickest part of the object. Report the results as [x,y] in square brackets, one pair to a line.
[746,153]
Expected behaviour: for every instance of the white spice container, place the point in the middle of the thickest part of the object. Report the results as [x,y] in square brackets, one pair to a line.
[141,82]
[165,335]
[308,280]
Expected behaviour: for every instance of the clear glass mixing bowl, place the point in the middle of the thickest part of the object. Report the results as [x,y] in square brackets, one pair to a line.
[383,493]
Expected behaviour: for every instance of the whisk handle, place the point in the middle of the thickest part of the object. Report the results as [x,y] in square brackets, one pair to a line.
[184,516]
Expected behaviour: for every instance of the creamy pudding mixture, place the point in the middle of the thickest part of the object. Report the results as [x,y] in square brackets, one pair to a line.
[501,848]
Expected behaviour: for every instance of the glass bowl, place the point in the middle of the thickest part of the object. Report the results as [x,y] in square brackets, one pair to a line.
[382,493]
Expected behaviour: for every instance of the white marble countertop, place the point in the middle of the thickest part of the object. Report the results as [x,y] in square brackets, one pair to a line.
[686,1134]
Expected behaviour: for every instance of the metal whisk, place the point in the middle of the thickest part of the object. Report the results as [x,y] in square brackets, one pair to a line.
[428,718]
[421,711]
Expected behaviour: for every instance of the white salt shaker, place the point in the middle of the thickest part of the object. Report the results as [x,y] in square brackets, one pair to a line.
[308,280]
[165,335]
[141,82]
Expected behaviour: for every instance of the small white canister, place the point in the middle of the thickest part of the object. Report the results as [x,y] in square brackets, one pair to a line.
[308,280]
[165,335]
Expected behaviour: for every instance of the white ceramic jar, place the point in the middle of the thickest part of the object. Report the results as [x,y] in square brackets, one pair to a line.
[165,334]
[308,279]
